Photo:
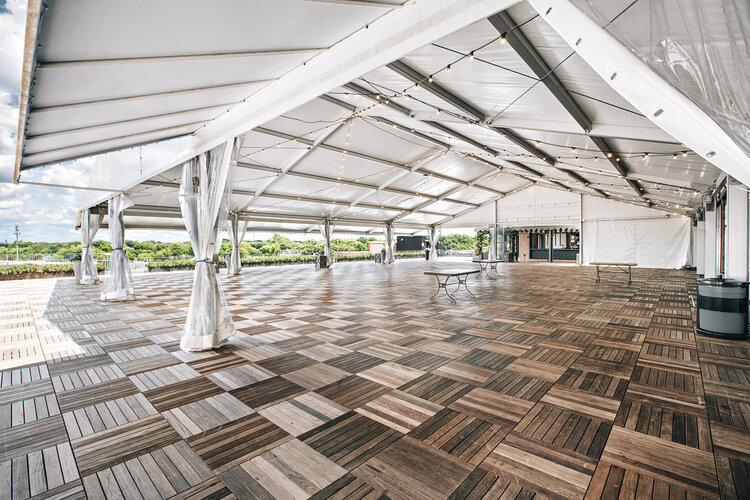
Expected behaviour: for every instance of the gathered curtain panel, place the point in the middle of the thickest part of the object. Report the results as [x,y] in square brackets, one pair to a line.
[389,257]
[492,254]
[118,285]
[89,226]
[204,202]
[433,236]
[236,235]
[326,229]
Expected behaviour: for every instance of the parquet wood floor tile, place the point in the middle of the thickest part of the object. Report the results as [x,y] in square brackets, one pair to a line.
[410,469]
[350,383]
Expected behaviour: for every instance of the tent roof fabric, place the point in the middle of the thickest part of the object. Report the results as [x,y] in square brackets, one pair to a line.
[443,130]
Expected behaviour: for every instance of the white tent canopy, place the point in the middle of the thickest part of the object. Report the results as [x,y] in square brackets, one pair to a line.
[349,110]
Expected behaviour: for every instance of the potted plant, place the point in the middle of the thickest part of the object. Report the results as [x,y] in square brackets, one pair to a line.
[480,241]
[76,260]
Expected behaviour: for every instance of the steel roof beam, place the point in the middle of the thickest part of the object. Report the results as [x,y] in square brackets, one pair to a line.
[608,152]
[462,137]
[515,37]
[524,144]
[416,77]
[505,25]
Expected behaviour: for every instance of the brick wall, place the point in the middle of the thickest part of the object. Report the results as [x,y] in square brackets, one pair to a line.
[523,247]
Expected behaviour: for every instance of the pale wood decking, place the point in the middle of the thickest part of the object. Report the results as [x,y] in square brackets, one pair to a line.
[349,383]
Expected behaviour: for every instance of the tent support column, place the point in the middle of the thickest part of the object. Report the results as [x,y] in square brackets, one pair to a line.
[493,243]
[234,262]
[204,194]
[90,223]
[709,267]
[325,230]
[118,285]
[433,235]
[737,231]
[389,257]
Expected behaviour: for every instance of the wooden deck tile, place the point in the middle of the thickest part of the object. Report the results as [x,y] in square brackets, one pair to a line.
[182,393]
[200,416]
[303,413]
[267,392]
[410,469]
[316,376]
[353,391]
[228,445]
[465,437]
[161,473]
[399,410]
[350,487]
[290,471]
[350,439]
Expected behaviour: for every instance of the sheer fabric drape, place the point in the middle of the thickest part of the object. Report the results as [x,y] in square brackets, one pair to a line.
[236,235]
[492,254]
[118,285]
[433,236]
[326,229]
[389,257]
[204,204]
[89,226]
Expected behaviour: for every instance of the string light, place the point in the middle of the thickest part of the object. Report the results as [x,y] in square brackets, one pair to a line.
[429,79]
[502,38]
[471,55]
[448,68]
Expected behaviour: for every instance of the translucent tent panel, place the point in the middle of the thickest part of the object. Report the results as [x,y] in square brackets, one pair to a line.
[703,51]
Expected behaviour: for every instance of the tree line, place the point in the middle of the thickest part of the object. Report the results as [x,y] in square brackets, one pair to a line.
[275,245]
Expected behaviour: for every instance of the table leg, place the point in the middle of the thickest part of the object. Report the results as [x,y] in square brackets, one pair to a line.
[630,277]
[466,285]
[494,268]
[597,273]
[444,286]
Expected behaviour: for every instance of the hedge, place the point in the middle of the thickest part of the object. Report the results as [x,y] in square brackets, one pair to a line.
[65,267]
[275,259]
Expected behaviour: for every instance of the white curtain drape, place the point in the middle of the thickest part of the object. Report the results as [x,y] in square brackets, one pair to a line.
[118,285]
[492,254]
[89,226]
[434,236]
[326,229]
[234,264]
[203,201]
[389,257]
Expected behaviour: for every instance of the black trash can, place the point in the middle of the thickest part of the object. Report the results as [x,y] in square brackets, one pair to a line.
[722,308]
[427,254]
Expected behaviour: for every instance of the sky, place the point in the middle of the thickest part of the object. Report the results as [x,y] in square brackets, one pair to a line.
[43,214]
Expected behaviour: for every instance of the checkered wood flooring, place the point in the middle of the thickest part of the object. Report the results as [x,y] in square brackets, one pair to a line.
[349,383]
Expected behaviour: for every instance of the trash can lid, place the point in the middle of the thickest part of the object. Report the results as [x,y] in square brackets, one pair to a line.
[721,282]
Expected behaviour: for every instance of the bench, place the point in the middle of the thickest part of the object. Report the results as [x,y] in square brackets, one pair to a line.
[620,266]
